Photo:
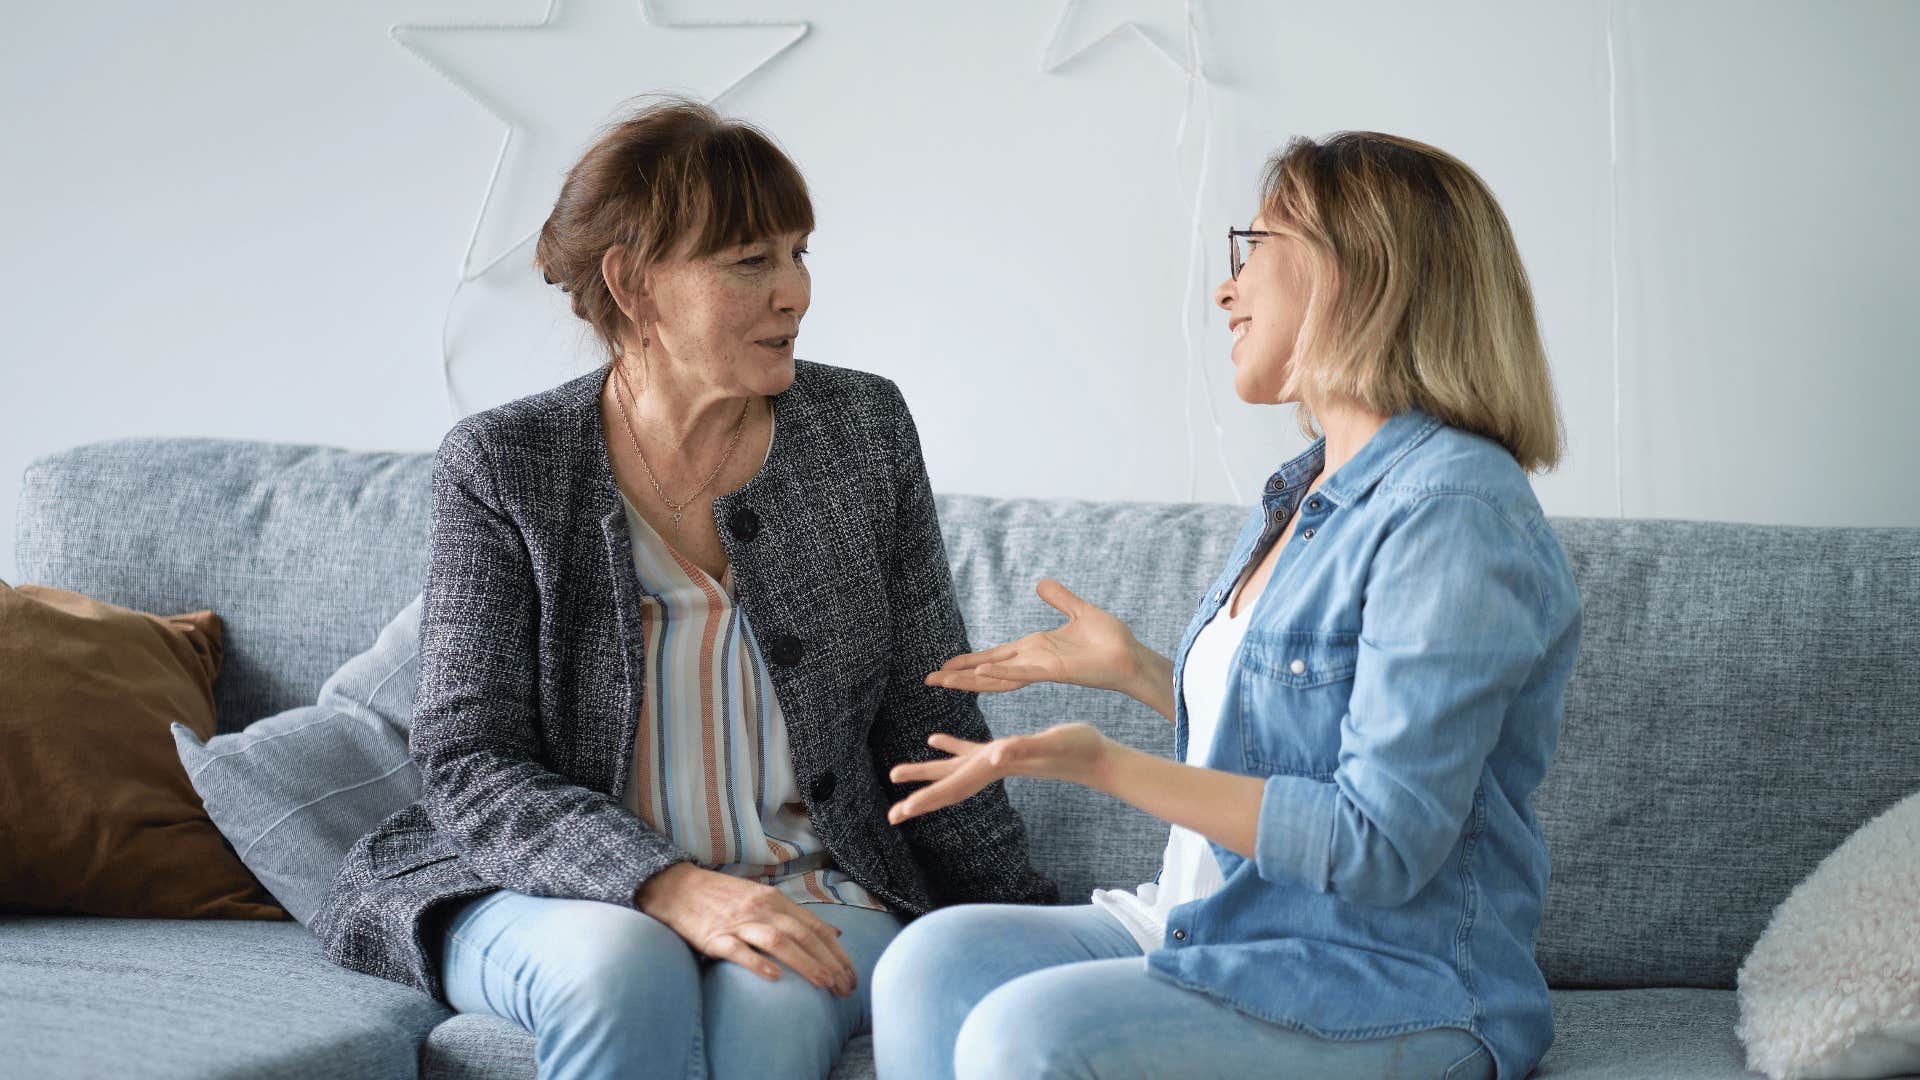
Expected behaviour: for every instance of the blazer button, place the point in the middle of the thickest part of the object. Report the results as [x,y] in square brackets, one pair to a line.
[823,787]
[745,524]
[786,650]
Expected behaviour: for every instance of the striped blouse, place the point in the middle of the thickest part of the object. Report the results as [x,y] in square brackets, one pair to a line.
[711,767]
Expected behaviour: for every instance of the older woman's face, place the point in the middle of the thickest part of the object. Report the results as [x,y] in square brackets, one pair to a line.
[730,318]
[1265,306]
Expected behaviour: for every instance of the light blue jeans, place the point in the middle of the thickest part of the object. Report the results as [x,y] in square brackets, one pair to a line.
[610,992]
[999,990]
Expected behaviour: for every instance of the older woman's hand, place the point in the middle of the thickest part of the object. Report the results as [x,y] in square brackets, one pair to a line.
[731,918]
[1092,649]
[1075,752]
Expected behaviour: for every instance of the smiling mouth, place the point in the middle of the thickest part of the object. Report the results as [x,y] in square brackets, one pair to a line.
[1239,329]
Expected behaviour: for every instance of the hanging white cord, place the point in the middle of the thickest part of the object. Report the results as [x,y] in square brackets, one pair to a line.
[468,274]
[1196,244]
[1613,254]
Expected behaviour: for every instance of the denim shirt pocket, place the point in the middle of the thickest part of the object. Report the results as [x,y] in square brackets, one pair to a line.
[1294,690]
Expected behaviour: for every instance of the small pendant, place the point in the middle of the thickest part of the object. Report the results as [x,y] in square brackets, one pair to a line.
[676,521]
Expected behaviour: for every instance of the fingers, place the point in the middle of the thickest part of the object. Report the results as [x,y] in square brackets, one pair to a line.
[1059,597]
[730,947]
[916,771]
[973,682]
[1022,674]
[827,930]
[951,744]
[790,948]
[823,944]
[913,771]
[937,796]
[983,656]
[960,783]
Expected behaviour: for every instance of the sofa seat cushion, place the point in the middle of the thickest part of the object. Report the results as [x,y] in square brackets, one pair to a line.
[1601,1035]
[161,998]
[471,1046]
[1675,1034]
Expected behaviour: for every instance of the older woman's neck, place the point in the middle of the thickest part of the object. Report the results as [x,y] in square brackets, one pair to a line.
[678,406]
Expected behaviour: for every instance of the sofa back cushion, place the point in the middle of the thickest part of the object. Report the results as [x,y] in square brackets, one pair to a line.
[304,552]
[1744,699]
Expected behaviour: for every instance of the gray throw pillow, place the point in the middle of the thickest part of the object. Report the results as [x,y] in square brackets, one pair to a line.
[294,791]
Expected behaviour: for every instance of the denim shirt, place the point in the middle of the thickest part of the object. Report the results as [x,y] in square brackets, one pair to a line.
[1400,691]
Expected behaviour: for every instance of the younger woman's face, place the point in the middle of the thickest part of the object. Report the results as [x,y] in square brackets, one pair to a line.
[1265,306]
[729,319]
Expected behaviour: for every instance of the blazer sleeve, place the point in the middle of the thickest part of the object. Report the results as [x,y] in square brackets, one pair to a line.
[975,850]
[517,823]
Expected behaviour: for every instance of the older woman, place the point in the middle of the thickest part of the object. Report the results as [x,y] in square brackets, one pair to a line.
[1363,702]
[677,614]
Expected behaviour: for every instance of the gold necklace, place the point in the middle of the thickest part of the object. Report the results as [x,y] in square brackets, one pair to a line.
[738,426]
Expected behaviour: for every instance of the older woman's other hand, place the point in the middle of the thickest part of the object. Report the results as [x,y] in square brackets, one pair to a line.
[1092,649]
[731,918]
[1074,752]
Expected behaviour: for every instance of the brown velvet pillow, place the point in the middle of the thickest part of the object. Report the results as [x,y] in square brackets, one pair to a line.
[97,816]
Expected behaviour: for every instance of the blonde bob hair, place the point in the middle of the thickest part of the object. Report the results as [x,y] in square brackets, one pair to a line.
[1418,297]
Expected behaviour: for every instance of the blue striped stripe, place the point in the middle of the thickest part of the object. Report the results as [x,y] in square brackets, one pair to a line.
[725,719]
[755,706]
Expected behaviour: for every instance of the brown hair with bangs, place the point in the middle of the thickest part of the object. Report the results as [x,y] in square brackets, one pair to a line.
[1418,294]
[674,179]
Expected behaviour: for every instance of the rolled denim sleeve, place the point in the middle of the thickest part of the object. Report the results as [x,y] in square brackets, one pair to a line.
[1453,624]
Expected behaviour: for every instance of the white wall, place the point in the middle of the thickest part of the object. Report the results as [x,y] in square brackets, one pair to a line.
[246,220]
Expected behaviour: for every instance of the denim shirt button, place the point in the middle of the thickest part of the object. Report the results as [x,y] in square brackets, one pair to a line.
[1314,504]
[1298,667]
[1306,534]
[1179,935]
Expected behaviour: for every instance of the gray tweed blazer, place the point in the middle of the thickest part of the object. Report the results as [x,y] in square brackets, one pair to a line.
[531,668]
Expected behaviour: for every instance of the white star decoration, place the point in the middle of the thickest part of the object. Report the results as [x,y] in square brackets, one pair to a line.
[1162,24]
[555,82]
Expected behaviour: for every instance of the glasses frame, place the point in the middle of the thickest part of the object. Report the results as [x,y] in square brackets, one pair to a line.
[1234,265]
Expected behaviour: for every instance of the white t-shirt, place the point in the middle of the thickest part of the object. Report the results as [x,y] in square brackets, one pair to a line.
[1188,870]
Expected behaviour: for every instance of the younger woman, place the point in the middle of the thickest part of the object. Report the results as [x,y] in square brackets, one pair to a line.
[1363,702]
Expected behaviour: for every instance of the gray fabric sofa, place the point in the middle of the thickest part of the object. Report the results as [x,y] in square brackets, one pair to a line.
[1745,698]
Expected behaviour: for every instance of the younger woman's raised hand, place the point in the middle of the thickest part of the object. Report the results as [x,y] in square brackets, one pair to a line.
[1093,648]
[1074,752]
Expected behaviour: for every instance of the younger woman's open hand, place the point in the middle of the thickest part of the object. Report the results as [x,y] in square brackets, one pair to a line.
[1076,752]
[1093,648]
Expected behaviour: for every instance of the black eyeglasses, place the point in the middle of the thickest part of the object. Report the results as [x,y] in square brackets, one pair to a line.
[1235,260]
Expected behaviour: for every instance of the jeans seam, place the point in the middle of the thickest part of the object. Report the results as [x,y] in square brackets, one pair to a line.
[1454,1068]
[486,961]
